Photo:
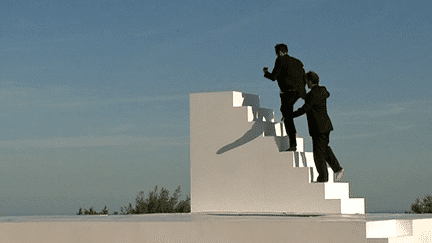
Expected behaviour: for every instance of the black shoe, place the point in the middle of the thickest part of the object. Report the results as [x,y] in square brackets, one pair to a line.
[322,181]
[292,148]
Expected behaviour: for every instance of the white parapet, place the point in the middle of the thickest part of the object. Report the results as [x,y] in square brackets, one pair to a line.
[400,228]
[217,228]
[237,163]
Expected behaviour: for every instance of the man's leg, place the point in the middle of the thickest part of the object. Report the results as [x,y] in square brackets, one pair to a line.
[330,157]
[319,144]
[288,99]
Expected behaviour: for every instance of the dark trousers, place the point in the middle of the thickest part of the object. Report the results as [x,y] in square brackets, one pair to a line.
[288,99]
[323,154]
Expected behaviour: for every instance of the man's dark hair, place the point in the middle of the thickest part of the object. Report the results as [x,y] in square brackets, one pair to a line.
[312,77]
[281,47]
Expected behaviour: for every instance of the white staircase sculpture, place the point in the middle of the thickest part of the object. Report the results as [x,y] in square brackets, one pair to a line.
[238,163]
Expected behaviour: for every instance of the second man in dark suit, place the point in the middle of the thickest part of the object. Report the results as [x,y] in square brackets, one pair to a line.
[290,76]
[320,126]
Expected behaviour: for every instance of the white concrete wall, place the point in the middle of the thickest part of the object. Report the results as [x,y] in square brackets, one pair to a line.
[404,229]
[203,227]
[422,230]
[186,229]
[237,166]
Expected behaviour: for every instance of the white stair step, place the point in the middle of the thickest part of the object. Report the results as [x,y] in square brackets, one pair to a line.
[334,190]
[389,228]
[280,129]
[353,206]
[283,143]
[309,159]
[242,99]
[265,115]
[402,239]
[313,175]
[337,190]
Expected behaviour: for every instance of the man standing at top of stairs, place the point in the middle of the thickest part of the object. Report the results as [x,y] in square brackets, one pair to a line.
[320,126]
[290,75]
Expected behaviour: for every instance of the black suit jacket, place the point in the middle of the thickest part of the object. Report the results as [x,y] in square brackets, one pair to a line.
[315,108]
[289,73]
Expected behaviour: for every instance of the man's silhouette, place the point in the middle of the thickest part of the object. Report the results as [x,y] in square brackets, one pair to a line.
[320,126]
[290,75]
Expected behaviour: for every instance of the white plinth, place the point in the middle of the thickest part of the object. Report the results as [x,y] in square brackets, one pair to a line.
[217,228]
[237,164]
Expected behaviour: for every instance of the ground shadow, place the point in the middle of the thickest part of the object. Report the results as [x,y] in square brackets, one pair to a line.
[258,128]
[263,125]
[262,119]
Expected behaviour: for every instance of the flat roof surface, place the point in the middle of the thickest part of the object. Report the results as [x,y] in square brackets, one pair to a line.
[196,217]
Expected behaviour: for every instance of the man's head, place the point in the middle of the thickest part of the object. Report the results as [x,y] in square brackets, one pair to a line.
[281,49]
[312,79]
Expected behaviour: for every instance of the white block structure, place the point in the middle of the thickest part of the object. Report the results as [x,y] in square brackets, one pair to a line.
[238,163]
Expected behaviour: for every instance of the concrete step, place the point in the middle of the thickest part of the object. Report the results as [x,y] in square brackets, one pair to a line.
[306,159]
[403,239]
[334,190]
[279,129]
[313,175]
[338,190]
[353,206]
[389,228]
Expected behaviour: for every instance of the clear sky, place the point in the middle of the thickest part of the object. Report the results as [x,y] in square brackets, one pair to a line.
[94,95]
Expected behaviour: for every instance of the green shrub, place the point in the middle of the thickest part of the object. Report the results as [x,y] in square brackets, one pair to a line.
[422,206]
[154,202]
[91,211]
[158,202]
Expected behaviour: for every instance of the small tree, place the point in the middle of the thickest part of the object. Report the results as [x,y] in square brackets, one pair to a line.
[155,202]
[163,201]
[90,211]
[184,206]
[422,206]
[174,200]
[141,205]
[104,210]
[127,210]
[152,201]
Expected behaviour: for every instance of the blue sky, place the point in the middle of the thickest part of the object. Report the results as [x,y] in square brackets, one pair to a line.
[94,95]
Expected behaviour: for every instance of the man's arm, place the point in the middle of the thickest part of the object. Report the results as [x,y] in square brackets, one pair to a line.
[275,73]
[305,108]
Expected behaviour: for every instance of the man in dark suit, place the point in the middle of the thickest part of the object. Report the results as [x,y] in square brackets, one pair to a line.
[290,75]
[320,126]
